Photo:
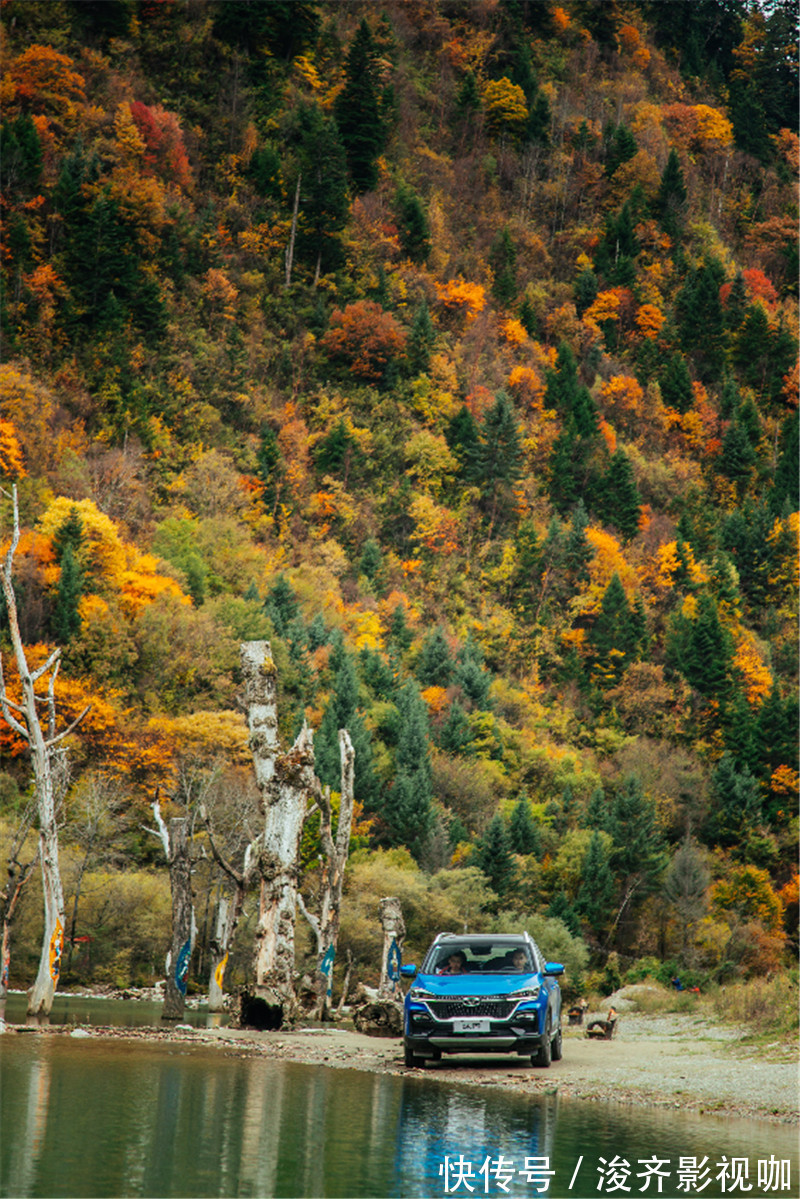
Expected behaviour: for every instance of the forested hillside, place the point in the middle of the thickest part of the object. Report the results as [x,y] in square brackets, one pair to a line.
[450,346]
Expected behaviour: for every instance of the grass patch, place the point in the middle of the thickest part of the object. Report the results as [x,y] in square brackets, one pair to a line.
[766,1007]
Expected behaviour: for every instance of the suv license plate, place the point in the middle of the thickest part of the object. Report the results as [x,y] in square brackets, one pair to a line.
[470,1025]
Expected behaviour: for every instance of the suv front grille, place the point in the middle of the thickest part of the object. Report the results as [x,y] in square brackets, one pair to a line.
[495,1009]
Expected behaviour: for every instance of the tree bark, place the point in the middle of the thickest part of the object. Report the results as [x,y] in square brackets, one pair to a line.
[326,924]
[286,781]
[394,931]
[183,924]
[227,917]
[293,233]
[24,720]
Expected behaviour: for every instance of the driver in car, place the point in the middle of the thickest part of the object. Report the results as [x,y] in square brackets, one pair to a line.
[456,963]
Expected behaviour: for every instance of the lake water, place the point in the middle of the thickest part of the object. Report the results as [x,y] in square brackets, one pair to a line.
[94,1116]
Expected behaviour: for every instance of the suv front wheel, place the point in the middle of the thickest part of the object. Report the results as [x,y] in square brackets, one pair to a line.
[545,1053]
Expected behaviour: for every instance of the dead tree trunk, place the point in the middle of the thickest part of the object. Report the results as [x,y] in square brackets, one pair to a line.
[382,1015]
[285,781]
[24,720]
[17,877]
[293,233]
[394,932]
[227,917]
[176,848]
[326,925]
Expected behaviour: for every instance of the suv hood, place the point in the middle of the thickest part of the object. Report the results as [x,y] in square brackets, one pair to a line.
[446,985]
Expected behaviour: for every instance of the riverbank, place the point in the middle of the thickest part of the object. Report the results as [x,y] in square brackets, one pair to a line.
[686,1062]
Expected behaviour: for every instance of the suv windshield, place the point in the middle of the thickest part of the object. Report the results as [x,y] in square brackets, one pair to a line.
[484,957]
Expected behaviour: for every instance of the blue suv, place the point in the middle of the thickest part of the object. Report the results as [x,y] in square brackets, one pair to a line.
[483,994]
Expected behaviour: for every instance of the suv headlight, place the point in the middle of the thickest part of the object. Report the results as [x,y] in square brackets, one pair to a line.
[420,993]
[527,993]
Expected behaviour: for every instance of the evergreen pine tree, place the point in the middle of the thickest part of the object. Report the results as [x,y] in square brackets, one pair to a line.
[415,232]
[613,637]
[498,459]
[406,810]
[676,384]
[527,317]
[736,307]
[585,290]
[638,841]
[502,259]
[561,909]
[738,457]
[66,618]
[471,677]
[342,713]
[619,500]
[494,858]
[281,606]
[456,735]
[358,112]
[670,203]
[421,339]
[435,666]
[701,321]
[736,802]
[710,651]
[596,892]
[463,439]
[523,834]
[577,552]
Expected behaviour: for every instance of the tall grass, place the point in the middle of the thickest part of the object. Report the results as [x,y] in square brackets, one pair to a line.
[764,1006]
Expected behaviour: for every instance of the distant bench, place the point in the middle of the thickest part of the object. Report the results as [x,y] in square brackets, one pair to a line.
[603,1030]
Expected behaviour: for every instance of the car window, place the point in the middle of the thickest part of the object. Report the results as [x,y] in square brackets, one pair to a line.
[467,957]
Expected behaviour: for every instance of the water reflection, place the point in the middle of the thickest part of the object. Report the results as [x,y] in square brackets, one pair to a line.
[99,1117]
[115,1013]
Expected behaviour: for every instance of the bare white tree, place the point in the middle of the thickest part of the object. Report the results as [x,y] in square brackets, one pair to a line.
[47,760]
[286,782]
[325,924]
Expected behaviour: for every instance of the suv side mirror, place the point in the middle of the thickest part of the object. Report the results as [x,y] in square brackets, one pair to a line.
[410,970]
[553,968]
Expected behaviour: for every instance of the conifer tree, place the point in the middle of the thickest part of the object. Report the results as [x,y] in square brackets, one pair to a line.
[736,802]
[701,321]
[676,384]
[738,457]
[638,855]
[497,460]
[619,500]
[358,111]
[66,617]
[435,666]
[281,607]
[494,858]
[614,636]
[406,809]
[456,735]
[670,203]
[561,909]
[593,903]
[502,259]
[421,339]
[342,712]
[710,651]
[415,232]
[523,834]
